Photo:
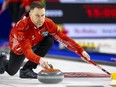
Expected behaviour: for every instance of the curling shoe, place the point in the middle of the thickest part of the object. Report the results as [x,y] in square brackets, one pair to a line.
[28,73]
[2,62]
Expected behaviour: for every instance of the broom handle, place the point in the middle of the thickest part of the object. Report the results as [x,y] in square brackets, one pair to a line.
[90,61]
[95,64]
[72,47]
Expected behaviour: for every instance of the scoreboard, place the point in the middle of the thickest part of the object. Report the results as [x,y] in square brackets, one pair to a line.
[81,12]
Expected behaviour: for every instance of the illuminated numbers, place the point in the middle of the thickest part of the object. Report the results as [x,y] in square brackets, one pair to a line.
[100,12]
[113,11]
[96,13]
[89,13]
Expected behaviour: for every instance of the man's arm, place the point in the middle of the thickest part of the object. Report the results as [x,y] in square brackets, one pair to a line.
[67,41]
[71,45]
[29,54]
[25,45]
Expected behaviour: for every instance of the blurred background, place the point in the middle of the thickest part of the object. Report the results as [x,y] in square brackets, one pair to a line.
[91,23]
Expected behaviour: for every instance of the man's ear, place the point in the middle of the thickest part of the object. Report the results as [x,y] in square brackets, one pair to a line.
[30,12]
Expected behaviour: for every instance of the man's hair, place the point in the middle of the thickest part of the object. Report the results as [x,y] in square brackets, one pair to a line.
[36,4]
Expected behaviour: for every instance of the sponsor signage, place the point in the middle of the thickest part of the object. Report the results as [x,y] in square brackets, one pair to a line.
[91,30]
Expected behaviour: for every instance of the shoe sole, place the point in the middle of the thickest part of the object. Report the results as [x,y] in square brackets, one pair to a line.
[1,70]
[2,66]
[27,77]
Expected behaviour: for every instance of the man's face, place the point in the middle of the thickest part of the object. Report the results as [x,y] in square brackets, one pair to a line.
[37,16]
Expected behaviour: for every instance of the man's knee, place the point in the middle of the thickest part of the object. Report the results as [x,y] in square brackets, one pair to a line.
[11,72]
[50,41]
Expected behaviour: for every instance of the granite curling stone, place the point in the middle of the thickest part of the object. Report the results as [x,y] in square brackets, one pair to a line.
[50,76]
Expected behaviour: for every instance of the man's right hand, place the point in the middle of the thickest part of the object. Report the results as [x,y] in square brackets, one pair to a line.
[44,64]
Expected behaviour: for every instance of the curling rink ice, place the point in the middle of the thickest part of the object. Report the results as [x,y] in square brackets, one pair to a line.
[64,66]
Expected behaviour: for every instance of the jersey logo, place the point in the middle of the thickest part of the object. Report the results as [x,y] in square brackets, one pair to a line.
[45,33]
[33,37]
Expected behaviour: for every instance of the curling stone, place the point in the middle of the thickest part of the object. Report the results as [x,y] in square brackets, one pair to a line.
[50,76]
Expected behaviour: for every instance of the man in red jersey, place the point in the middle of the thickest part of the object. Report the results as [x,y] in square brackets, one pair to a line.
[32,37]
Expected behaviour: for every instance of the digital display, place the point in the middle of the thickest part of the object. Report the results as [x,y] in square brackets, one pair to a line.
[100,11]
[82,12]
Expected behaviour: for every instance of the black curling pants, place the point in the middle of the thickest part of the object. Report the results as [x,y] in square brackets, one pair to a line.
[16,61]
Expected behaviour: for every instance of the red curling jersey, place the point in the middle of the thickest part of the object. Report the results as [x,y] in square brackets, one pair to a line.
[24,35]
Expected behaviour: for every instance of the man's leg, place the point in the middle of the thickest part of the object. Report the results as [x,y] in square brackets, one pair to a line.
[40,49]
[3,62]
[12,65]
